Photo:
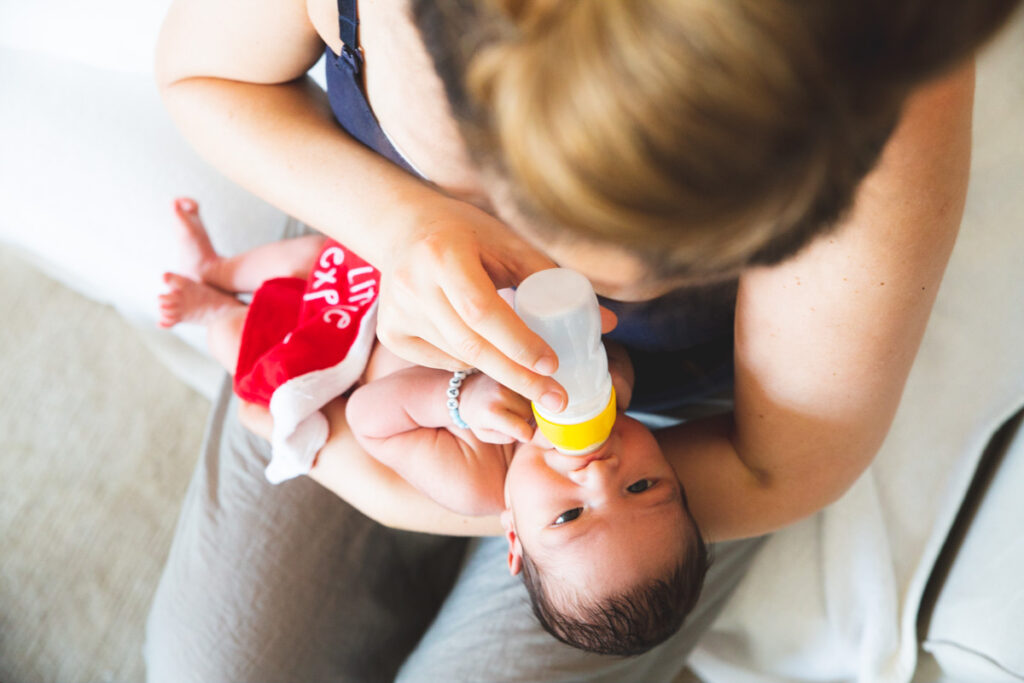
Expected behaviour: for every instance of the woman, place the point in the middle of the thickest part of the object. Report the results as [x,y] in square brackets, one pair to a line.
[676,153]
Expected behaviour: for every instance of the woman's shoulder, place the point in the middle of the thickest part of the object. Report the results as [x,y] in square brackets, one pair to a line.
[825,340]
[907,210]
[273,42]
[323,16]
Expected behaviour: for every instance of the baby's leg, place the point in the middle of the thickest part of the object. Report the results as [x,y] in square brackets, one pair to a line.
[224,337]
[188,301]
[248,270]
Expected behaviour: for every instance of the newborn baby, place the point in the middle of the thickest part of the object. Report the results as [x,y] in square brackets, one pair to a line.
[608,550]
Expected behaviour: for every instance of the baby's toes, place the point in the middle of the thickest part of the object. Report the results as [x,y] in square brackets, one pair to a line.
[186,207]
[173,280]
[168,300]
[187,211]
[169,305]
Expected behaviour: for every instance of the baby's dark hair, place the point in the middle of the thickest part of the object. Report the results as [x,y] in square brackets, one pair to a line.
[635,620]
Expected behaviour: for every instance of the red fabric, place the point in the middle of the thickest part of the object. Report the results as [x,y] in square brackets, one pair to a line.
[297,326]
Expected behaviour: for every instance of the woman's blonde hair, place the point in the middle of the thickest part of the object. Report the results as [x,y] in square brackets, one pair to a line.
[703,135]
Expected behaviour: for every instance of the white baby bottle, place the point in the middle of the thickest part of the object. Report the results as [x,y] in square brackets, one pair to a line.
[560,305]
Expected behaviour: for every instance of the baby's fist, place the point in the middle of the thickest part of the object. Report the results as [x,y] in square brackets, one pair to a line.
[494,413]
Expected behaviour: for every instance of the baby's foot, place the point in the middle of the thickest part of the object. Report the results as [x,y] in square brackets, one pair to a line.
[188,301]
[197,253]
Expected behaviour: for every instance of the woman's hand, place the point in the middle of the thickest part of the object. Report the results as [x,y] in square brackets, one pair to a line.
[620,367]
[439,304]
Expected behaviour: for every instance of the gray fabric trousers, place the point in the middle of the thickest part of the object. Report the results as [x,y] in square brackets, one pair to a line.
[288,583]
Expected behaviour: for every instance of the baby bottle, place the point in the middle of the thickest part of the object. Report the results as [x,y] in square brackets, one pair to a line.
[560,305]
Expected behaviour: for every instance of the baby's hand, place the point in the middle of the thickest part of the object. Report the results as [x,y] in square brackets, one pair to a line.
[494,413]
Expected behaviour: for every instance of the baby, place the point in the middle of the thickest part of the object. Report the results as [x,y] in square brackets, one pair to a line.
[611,557]
[606,545]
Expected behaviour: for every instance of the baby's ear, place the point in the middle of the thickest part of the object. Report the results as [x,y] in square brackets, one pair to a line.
[515,549]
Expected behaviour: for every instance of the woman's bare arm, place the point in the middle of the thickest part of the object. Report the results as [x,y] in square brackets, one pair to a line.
[232,75]
[825,341]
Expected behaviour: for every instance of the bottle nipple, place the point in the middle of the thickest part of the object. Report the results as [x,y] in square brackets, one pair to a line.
[560,306]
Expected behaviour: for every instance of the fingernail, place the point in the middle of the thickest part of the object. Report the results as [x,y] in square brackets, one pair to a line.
[546,365]
[186,204]
[552,401]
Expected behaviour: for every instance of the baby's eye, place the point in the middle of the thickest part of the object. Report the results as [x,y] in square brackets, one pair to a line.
[640,486]
[568,516]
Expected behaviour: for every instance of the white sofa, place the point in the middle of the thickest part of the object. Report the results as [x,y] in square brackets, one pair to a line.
[89,164]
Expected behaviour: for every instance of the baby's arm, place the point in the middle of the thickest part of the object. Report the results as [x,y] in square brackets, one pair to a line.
[345,468]
[402,421]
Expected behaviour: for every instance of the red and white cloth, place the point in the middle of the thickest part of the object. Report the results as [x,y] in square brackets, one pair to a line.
[304,343]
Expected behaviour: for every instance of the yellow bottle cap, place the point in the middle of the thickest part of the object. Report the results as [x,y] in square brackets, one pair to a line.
[581,437]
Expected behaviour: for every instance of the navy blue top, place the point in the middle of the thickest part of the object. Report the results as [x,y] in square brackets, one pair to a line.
[680,344]
[345,90]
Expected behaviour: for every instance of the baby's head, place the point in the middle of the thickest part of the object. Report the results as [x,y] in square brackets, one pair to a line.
[609,552]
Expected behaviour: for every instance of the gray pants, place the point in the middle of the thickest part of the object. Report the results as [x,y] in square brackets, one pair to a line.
[289,583]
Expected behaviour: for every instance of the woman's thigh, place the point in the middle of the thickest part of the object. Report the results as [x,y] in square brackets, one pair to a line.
[486,630]
[287,582]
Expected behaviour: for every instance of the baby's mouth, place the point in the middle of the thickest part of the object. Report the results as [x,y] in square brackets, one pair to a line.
[561,462]
[602,453]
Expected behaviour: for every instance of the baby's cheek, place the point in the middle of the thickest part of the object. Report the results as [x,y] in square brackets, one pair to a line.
[638,439]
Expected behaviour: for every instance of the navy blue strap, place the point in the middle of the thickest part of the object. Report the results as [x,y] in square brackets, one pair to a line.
[348,24]
[345,89]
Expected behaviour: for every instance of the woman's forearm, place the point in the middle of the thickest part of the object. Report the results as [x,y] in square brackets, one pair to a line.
[281,143]
[727,497]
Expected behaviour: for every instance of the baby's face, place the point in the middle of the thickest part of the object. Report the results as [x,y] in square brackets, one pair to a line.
[600,521]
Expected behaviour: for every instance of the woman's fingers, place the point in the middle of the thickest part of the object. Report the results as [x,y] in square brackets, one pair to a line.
[418,350]
[623,375]
[623,392]
[472,295]
[608,320]
[467,345]
[419,318]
